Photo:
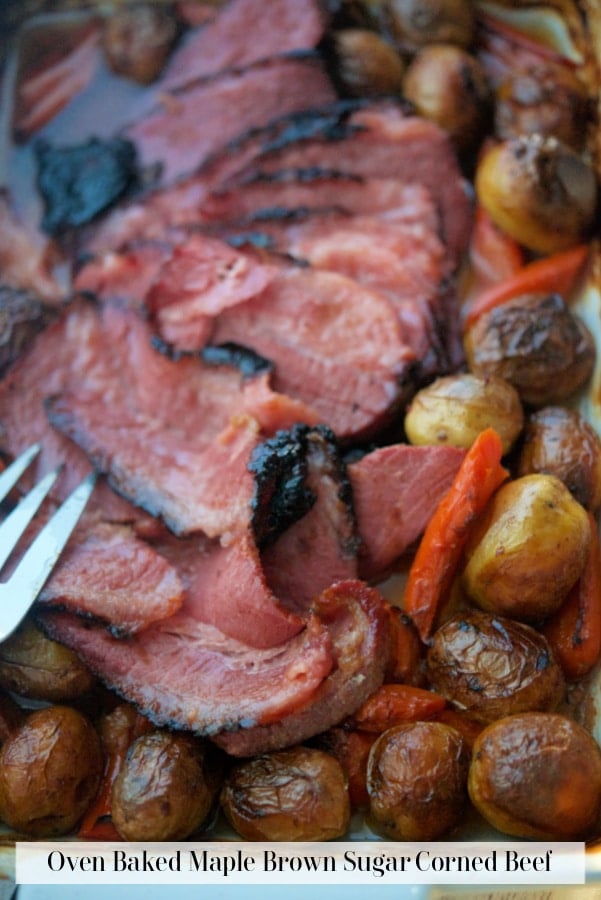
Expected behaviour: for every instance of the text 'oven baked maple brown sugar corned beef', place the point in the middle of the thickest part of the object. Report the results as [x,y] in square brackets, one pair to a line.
[262,651]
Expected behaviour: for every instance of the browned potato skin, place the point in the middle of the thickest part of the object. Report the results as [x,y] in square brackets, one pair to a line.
[448,86]
[414,23]
[539,191]
[454,409]
[537,775]
[536,344]
[527,550]
[559,441]
[545,99]
[365,65]
[416,781]
[34,666]
[50,769]
[137,39]
[492,667]
[162,793]
[298,794]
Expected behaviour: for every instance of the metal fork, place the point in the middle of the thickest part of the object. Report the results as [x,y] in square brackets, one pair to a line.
[20,591]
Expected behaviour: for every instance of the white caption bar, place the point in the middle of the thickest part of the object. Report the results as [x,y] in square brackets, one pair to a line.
[299,863]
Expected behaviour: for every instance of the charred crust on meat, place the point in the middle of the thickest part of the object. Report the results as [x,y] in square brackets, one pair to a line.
[22,316]
[242,358]
[306,175]
[255,239]
[80,181]
[281,495]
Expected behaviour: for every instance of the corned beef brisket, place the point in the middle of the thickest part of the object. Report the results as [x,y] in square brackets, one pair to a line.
[271,298]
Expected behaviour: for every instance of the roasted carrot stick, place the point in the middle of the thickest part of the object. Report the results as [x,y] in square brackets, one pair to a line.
[555,273]
[493,255]
[437,557]
[574,632]
[393,704]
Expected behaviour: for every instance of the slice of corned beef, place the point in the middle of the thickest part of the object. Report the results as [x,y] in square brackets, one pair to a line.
[243,32]
[364,139]
[357,622]
[254,700]
[395,491]
[226,587]
[126,276]
[202,278]
[321,547]
[108,573]
[335,345]
[195,122]
[185,674]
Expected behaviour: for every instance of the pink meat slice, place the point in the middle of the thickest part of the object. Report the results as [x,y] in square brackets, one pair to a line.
[110,574]
[281,27]
[357,621]
[206,681]
[396,490]
[226,587]
[126,276]
[192,124]
[255,699]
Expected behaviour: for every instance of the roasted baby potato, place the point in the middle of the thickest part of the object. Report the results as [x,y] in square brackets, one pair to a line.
[544,99]
[536,344]
[414,23]
[454,409]
[137,39]
[34,666]
[165,790]
[559,441]
[492,667]
[298,794]
[537,775]
[528,549]
[448,86]
[416,781]
[364,64]
[538,191]
[50,769]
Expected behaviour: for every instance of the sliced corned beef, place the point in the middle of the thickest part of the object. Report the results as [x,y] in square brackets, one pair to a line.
[195,122]
[396,490]
[186,674]
[358,624]
[335,345]
[321,547]
[254,700]
[226,588]
[203,277]
[124,276]
[243,32]
[108,573]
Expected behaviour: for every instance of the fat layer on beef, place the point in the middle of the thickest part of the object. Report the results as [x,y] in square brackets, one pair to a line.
[249,700]
[244,32]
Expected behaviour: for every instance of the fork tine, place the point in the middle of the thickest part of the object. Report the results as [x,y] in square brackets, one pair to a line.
[15,524]
[10,476]
[20,591]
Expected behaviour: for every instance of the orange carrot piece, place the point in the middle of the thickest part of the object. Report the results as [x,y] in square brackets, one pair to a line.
[406,649]
[394,704]
[574,631]
[555,273]
[432,571]
[94,826]
[467,727]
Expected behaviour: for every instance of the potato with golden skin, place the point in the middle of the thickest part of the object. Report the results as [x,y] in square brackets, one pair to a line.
[417,781]
[137,39]
[448,86]
[559,441]
[364,64]
[165,789]
[415,23]
[535,343]
[537,775]
[527,550]
[454,409]
[50,769]
[299,794]
[538,191]
[32,665]
[491,666]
